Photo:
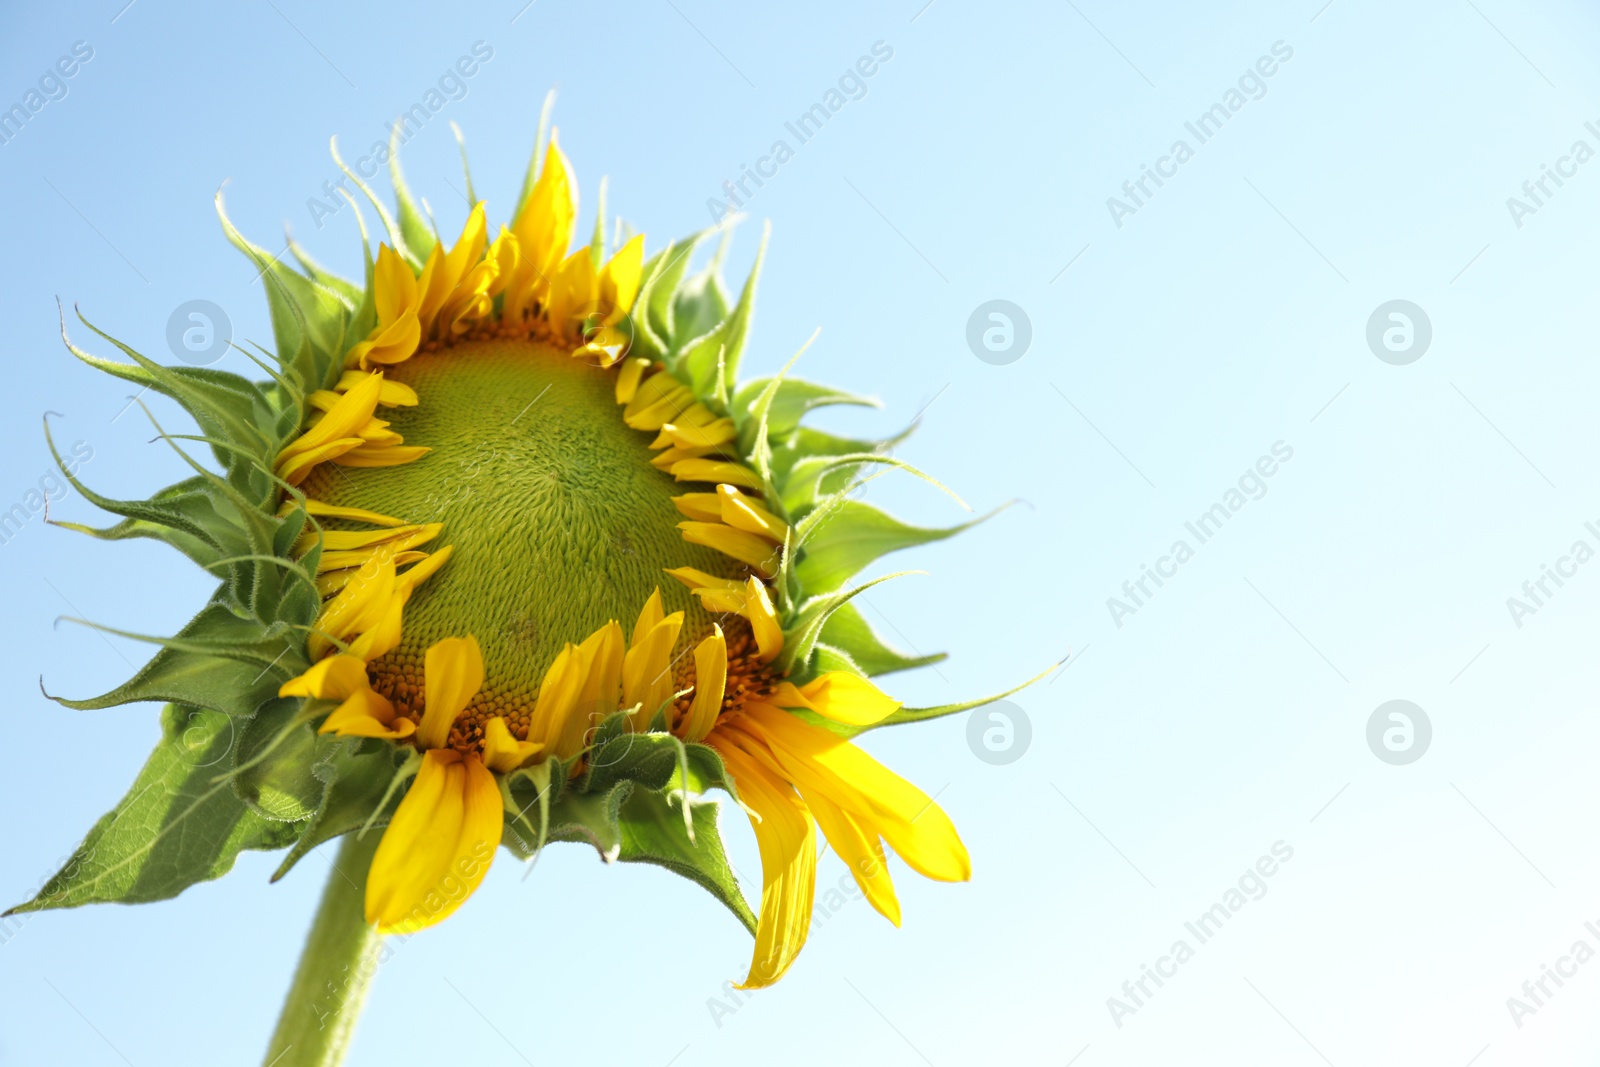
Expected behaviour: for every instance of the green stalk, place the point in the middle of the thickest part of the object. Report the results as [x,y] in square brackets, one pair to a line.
[337,965]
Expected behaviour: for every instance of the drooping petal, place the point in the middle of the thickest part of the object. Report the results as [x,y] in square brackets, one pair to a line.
[786,838]
[453,674]
[822,763]
[862,852]
[439,845]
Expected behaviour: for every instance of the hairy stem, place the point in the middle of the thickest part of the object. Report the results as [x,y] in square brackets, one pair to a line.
[336,967]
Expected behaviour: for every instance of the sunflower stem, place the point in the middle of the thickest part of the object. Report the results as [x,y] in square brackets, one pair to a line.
[336,967]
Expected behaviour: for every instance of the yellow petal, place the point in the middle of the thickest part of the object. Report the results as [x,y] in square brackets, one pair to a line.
[724,596]
[385,636]
[397,333]
[424,569]
[659,399]
[332,511]
[572,296]
[647,680]
[822,763]
[649,615]
[381,455]
[439,845]
[703,507]
[840,696]
[367,713]
[346,418]
[786,838]
[542,230]
[359,606]
[339,540]
[711,435]
[628,379]
[444,272]
[453,674]
[748,548]
[763,621]
[348,551]
[619,279]
[331,679]
[861,851]
[710,470]
[710,682]
[743,513]
[602,653]
[558,698]
[294,469]
[394,291]
[330,582]
[393,394]
[502,752]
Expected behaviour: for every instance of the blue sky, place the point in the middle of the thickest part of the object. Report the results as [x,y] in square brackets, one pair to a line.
[1222,321]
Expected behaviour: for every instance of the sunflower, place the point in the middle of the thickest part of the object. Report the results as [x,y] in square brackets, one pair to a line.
[432,520]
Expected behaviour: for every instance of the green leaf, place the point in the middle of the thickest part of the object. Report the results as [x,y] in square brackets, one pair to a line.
[325,277]
[647,759]
[308,319]
[794,399]
[177,825]
[356,776]
[275,763]
[700,303]
[414,226]
[848,631]
[218,661]
[651,830]
[852,535]
[724,343]
[801,633]
[801,465]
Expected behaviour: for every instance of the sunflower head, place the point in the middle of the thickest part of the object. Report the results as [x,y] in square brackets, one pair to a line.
[509,555]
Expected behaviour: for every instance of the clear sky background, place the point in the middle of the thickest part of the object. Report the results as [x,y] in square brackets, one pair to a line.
[1226,316]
